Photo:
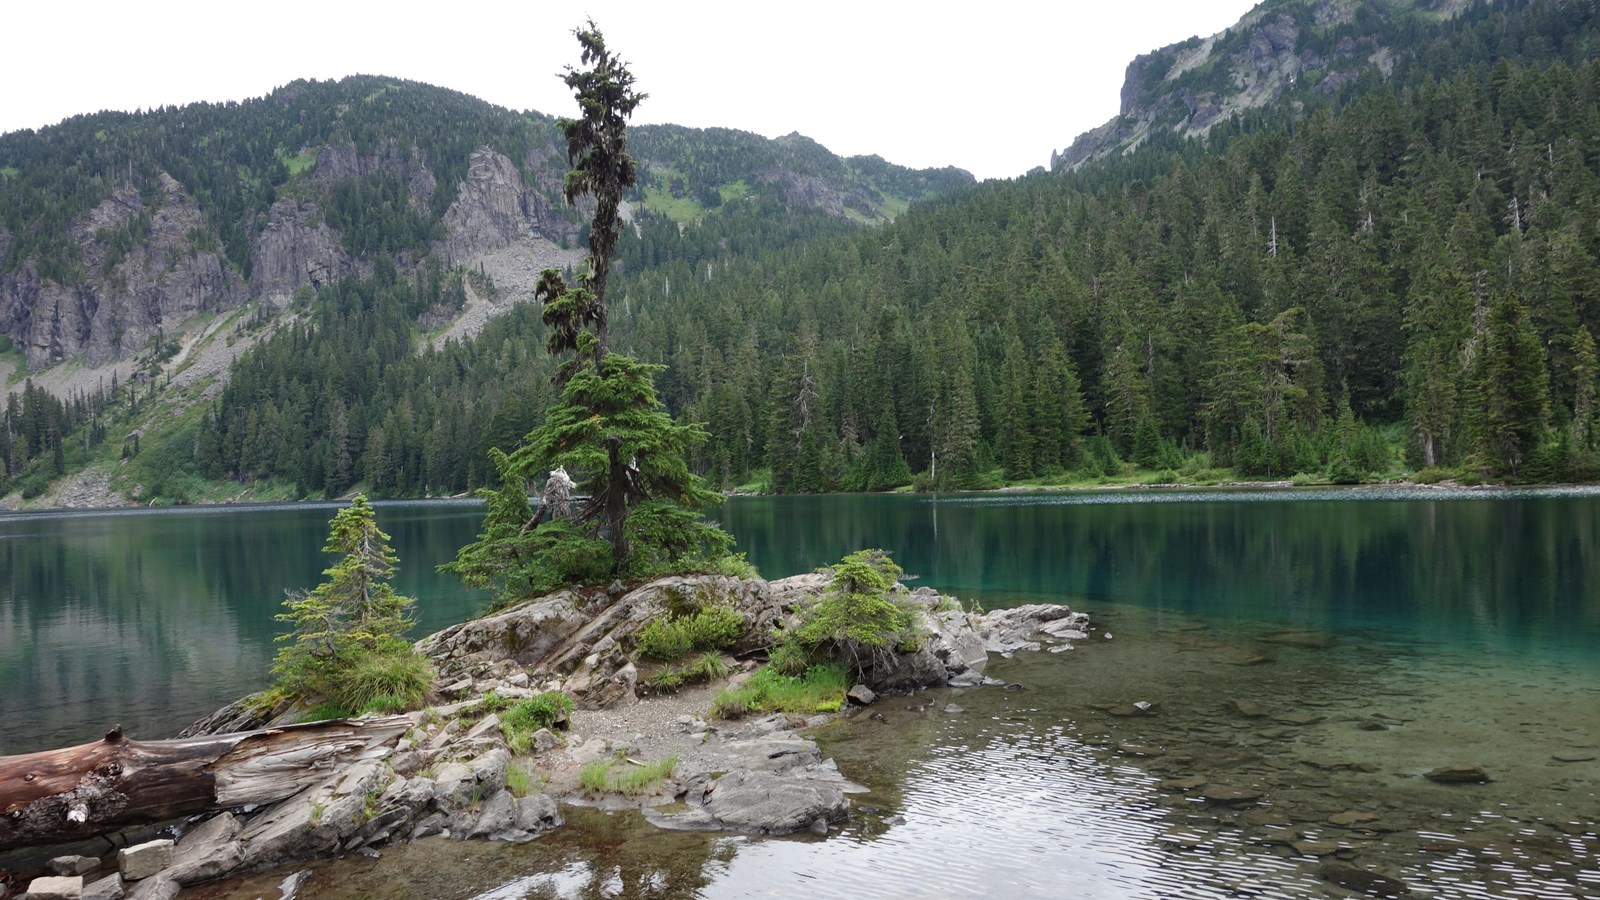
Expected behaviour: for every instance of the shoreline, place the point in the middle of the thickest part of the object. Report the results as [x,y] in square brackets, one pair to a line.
[1443,489]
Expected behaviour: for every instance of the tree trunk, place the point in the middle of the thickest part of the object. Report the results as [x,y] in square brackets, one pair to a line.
[78,792]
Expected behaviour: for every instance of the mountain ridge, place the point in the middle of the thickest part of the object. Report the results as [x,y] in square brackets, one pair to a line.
[1282,51]
[149,219]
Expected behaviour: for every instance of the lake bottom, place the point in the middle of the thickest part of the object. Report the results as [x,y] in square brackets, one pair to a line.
[1270,761]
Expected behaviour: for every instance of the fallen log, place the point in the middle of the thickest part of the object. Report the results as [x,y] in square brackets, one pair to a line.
[79,792]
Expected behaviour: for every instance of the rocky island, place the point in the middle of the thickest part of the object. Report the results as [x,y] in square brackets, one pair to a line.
[463,767]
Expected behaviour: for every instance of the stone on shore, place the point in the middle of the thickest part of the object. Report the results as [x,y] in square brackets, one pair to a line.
[145,859]
[67,866]
[55,887]
[208,851]
[767,803]
[159,887]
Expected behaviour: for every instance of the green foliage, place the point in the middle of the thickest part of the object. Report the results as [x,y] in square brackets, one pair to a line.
[608,426]
[384,682]
[347,645]
[1222,296]
[709,666]
[820,689]
[518,781]
[521,719]
[858,614]
[611,776]
[673,637]
[323,712]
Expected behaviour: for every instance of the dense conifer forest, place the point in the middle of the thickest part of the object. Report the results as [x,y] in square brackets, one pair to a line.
[1402,276]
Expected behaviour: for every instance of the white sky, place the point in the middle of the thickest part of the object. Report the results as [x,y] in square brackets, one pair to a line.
[991,87]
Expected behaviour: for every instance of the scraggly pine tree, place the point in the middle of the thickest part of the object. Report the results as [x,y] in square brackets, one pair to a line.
[348,645]
[609,427]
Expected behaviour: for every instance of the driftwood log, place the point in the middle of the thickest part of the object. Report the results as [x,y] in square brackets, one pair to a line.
[79,792]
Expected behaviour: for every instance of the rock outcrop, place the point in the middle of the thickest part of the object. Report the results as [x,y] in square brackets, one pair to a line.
[296,249]
[1273,55]
[149,260]
[494,209]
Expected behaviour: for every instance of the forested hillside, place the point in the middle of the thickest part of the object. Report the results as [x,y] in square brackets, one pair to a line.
[1403,277]
[128,240]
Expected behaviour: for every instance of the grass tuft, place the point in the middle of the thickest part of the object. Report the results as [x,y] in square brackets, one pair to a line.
[615,776]
[820,689]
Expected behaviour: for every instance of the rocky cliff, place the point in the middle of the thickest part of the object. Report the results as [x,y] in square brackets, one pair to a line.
[149,262]
[1280,52]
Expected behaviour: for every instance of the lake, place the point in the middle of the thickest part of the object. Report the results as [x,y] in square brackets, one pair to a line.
[1323,649]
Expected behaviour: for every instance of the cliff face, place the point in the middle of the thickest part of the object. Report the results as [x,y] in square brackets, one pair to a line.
[149,263]
[495,209]
[1280,52]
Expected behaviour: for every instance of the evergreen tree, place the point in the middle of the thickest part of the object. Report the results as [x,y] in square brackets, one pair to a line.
[1017,442]
[1513,385]
[352,616]
[609,427]
[1584,371]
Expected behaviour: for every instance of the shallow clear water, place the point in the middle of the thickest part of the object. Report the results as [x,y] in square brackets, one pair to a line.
[1370,636]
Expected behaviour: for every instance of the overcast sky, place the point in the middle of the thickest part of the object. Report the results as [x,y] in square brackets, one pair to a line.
[991,87]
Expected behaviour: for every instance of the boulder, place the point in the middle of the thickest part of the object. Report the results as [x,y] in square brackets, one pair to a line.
[144,860]
[1361,881]
[537,812]
[68,866]
[1352,817]
[861,695]
[208,851]
[459,785]
[950,646]
[496,815]
[1222,793]
[316,821]
[1250,709]
[55,887]
[527,632]
[765,803]
[1009,630]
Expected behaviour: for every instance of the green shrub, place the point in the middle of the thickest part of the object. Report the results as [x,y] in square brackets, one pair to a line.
[324,712]
[858,615]
[664,640]
[789,658]
[708,666]
[711,628]
[521,719]
[668,680]
[518,781]
[1433,475]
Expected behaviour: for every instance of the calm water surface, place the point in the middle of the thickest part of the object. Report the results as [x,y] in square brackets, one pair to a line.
[1321,649]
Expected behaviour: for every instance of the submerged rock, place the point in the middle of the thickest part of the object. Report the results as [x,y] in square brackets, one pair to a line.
[1459,773]
[1223,793]
[1361,881]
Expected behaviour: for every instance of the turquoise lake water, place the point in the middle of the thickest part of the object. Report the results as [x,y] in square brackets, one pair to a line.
[1372,635]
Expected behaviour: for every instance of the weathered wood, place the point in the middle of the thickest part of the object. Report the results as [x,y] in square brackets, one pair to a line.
[78,792]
